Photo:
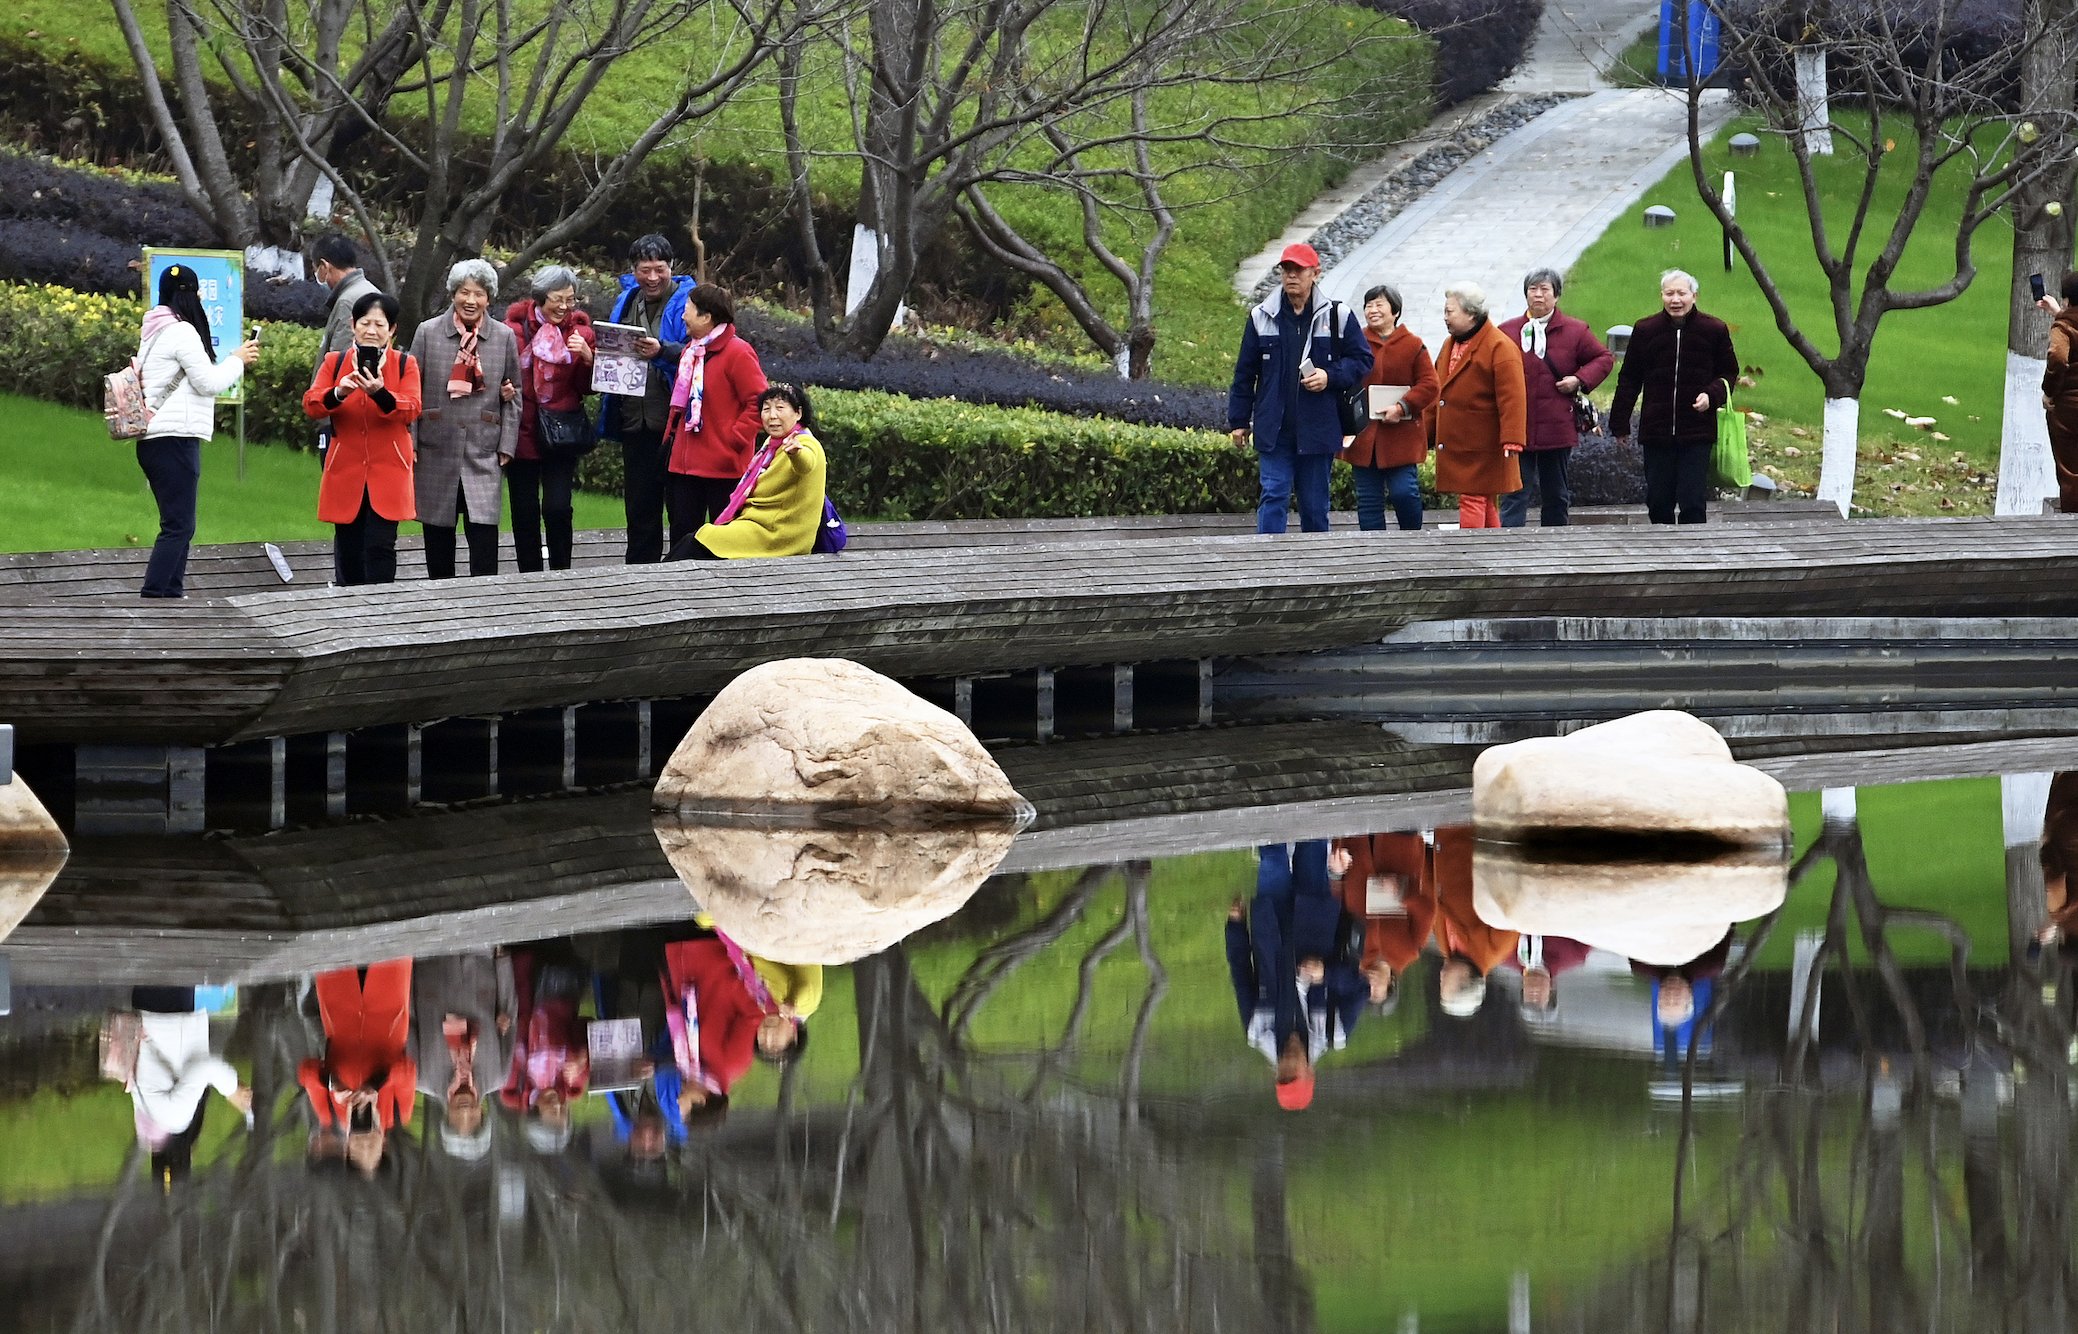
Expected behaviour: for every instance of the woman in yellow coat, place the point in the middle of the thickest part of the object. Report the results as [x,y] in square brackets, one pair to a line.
[777,509]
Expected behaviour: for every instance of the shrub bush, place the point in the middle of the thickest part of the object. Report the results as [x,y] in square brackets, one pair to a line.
[139,212]
[1478,42]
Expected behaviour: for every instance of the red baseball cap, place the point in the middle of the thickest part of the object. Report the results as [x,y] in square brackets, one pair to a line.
[1303,255]
[1296,1096]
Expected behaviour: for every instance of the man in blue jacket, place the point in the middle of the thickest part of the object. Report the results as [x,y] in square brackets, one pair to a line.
[1286,383]
[1292,956]
[651,298]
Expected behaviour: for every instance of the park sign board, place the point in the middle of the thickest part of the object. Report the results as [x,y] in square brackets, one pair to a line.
[221,274]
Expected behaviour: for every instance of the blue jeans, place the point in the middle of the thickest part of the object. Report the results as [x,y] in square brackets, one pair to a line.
[173,466]
[1375,485]
[1543,474]
[1284,470]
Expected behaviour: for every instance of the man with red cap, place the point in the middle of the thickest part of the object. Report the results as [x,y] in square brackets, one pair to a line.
[1292,956]
[1300,354]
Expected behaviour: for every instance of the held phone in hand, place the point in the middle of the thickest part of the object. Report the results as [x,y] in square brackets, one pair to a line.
[1305,367]
[369,359]
[2034,284]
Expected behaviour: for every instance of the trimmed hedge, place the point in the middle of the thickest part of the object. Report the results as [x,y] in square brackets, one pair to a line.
[1478,42]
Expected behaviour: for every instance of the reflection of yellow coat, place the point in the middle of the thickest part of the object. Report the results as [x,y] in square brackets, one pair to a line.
[797,984]
[782,512]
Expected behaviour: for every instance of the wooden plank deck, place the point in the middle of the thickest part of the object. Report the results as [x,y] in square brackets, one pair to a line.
[236,569]
[284,663]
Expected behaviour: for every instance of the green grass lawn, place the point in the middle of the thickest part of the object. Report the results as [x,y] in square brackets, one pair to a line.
[1920,357]
[64,484]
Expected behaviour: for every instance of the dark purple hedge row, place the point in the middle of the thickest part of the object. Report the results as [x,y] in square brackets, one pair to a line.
[141,214]
[1004,379]
[1478,42]
[66,255]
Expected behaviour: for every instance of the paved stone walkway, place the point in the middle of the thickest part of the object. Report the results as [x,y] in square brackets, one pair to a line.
[1535,199]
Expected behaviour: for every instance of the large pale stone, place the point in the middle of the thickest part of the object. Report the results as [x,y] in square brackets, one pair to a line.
[828,736]
[1661,774]
[32,852]
[1654,912]
[819,895]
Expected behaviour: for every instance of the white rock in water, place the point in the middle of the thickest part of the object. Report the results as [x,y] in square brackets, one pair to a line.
[1654,912]
[32,852]
[837,738]
[1658,774]
[830,896]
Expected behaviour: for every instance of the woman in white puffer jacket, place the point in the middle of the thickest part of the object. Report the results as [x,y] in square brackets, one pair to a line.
[176,359]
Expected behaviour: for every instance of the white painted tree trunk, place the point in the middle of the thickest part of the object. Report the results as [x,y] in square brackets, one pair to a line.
[2027,470]
[320,205]
[2023,803]
[1837,806]
[1124,362]
[1843,420]
[865,266]
[1814,112]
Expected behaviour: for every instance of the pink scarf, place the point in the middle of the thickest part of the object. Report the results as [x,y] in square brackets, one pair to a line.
[683,1020]
[749,483]
[467,376]
[691,388]
[747,972]
[550,346]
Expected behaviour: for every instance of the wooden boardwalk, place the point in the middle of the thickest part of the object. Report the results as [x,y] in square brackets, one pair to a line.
[182,910]
[208,671]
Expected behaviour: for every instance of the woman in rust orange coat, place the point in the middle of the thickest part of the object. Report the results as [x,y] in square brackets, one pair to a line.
[1391,446]
[371,393]
[1481,423]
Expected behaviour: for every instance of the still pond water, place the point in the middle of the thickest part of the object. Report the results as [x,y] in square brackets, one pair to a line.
[1059,1110]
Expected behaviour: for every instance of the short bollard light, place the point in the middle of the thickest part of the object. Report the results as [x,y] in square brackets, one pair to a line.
[1746,145]
[1659,215]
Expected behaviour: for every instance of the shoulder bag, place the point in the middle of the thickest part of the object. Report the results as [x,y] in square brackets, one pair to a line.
[1349,403]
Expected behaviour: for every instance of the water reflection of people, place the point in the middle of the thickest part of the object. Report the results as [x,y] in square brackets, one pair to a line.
[175,1071]
[1542,960]
[2058,856]
[366,1083]
[1292,955]
[462,1010]
[715,1019]
[1388,882]
[551,1063]
[1674,987]
[1470,948]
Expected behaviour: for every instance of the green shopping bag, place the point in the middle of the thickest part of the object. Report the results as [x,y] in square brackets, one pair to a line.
[1729,465]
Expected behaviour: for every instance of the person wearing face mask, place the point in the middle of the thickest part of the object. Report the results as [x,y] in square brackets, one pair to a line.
[1480,423]
[1561,358]
[1678,371]
[470,423]
[777,504]
[370,394]
[1386,453]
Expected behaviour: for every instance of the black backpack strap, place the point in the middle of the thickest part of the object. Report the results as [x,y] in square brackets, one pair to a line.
[1335,330]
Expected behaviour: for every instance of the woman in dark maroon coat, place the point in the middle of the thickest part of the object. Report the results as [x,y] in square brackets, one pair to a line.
[556,345]
[1561,357]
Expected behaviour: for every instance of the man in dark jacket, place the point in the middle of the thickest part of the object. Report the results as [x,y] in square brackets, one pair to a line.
[1682,363]
[1561,357]
[1287,381]
[1293,957]
[652,298]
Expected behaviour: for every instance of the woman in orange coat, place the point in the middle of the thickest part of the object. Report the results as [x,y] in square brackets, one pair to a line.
[367,1084]
[371,393]
[1387,451]
[1397,866]
[1471,949]
[1482,421]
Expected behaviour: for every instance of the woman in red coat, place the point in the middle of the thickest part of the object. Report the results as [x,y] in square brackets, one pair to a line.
[713,426]
[556,345]
[1387,451]
[713,1018]
[366,1085]
[1561,357]
[371,393]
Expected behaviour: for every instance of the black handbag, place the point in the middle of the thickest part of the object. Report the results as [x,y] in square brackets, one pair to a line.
[1349,403]
[564,435]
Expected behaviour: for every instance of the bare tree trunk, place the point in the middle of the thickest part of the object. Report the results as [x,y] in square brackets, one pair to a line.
[2043,211]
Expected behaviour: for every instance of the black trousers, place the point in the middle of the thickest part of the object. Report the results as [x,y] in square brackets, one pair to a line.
[540,494]
[173,466]
[365,551]
[1543,475]
[694,501]
[1677,475]
[645,469]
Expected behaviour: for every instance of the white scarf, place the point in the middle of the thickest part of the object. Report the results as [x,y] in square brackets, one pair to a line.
[1533,334]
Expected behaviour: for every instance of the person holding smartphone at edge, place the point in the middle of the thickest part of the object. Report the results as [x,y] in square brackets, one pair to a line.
[2060,386]
[370,393]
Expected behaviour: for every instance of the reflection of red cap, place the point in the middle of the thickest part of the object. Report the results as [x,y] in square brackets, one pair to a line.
[1296,1096]
[1303,255]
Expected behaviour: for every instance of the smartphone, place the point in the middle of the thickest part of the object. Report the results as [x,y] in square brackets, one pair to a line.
[369,359]
[2034,284]
[1305,367]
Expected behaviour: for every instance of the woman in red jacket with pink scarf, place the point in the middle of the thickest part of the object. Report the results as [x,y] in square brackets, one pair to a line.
[556,345]
[714,416]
